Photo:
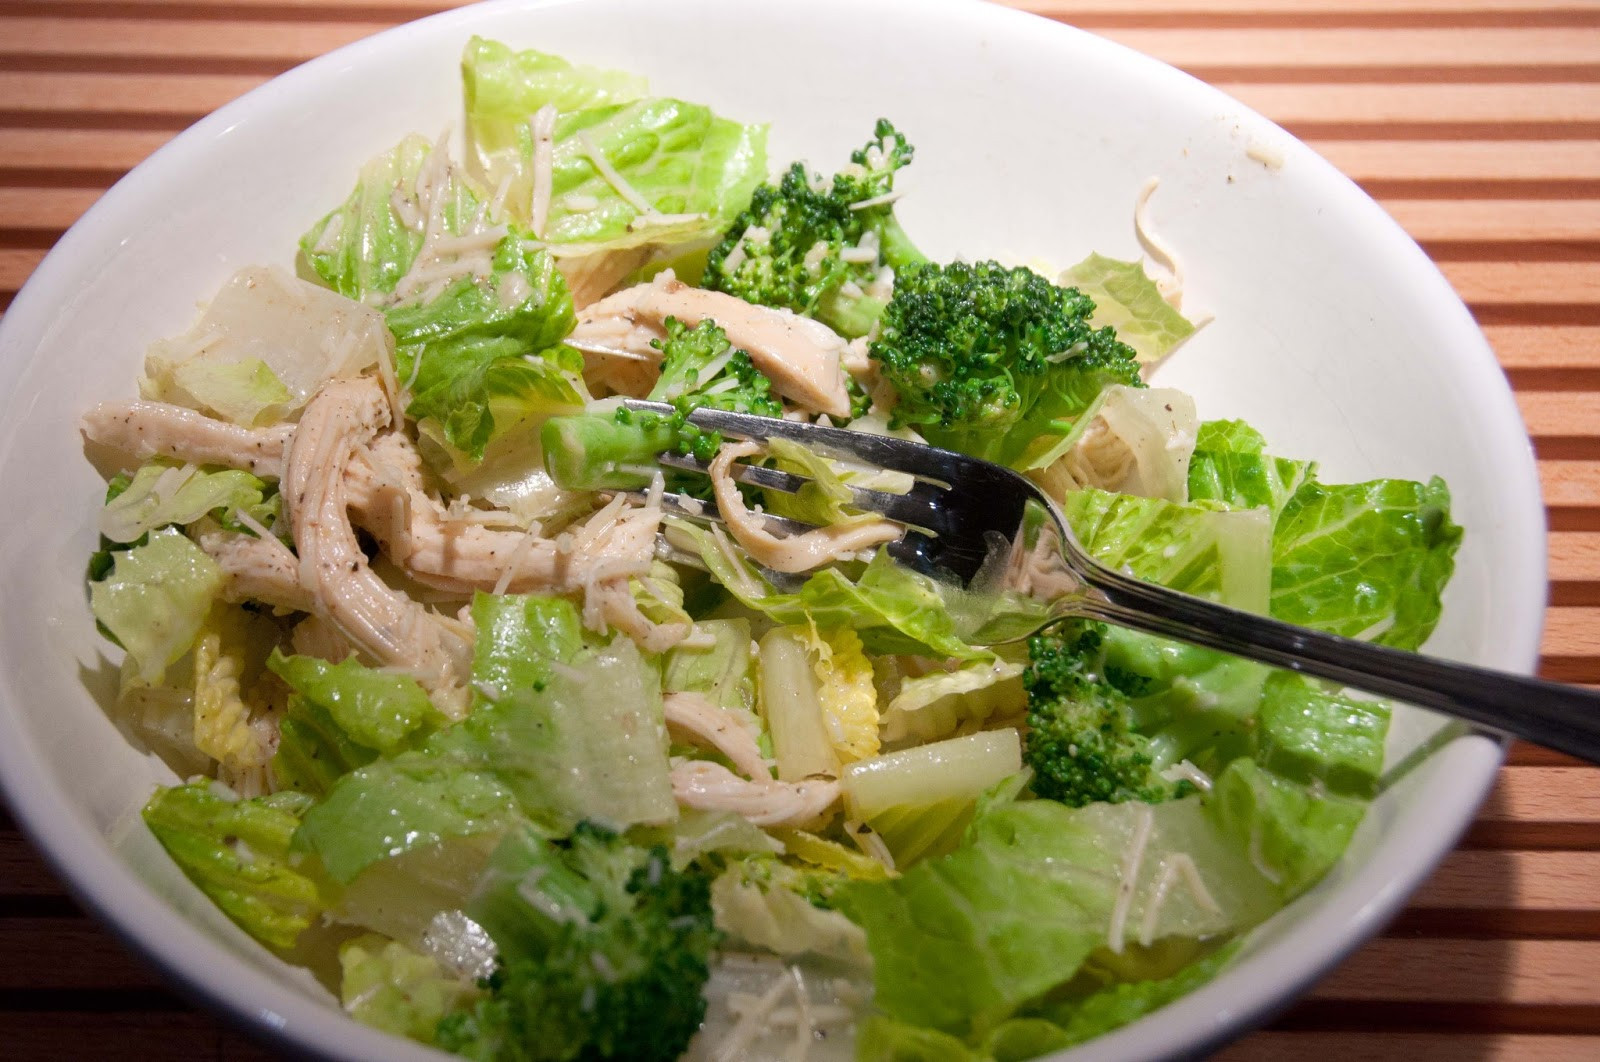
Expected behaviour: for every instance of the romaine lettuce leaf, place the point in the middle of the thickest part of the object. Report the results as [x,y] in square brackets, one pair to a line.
[481,357]
[687,164]
[156,598]
[1291,834]
[243,392]
[1365,560]
[391,806]
[387,985]
[1128,300]
[237,852]
[1132,440]
[1230,466]
[576,733]
[961,943]
[1201,550]
[1313,734]
[378,709]
[362,249]
[161,493]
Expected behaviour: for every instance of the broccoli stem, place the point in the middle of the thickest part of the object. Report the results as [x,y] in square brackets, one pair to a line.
[592,452]
[895,247]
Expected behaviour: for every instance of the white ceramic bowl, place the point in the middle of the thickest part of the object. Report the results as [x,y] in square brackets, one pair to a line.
[1333,334]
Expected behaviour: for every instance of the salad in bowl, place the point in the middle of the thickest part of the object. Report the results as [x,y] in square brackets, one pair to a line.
[523,761]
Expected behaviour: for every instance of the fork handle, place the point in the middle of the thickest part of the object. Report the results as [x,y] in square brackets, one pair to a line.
[1565,718]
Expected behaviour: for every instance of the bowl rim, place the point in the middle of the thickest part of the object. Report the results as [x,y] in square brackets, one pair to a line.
[264,1006]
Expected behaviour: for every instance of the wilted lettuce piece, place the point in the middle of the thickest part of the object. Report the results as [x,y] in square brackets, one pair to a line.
[1310,732]
[882,1039]
[244,392]
[931,706]
[1132,440]
[387,985]
[1291,835]
[362,249]
[302,333]
[482,356]
[1200,550]
[228,659]
[574,732]
[161,493]
[1230,466]
[237,852]
[1128,300]
[379,709]
[156,599]
[1365,560]
[393,806]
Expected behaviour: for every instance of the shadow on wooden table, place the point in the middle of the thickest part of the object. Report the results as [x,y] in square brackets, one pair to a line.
[1449,980]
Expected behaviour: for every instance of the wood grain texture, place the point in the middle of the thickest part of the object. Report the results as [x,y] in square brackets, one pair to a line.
[1475,123]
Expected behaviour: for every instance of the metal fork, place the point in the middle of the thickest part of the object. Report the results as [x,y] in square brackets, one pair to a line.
[958,505]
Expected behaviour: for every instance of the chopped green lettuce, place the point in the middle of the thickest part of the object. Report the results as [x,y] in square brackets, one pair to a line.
[238,853]
[1133,440]
[389,986]
[692,169]
[1201,550]
[244,392]
[161,493]
[481,357]
[1365,560]
[1126,299]
[1230,466]
[156,598]
[1313,734]
[1291,832]
[379,709]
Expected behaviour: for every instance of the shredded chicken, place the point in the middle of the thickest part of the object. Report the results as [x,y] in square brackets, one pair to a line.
[387,496]
[712,787]
[800,356]
[389,627]
[712,727]
[257,569]
[794,553]
[157,429]
[610,604]
[315,636]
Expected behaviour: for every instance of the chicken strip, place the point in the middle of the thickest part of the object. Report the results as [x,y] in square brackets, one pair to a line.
[800,356]
[712,727]
[390,628]
[257,569]
[712,787]
[793,553]
[158,429]
[388,497]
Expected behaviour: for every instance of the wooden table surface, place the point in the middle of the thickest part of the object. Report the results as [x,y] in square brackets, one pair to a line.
[1476,123]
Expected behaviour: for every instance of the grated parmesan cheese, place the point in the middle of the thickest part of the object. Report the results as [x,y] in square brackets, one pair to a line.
[543,127]
[609,172]
[1132,861]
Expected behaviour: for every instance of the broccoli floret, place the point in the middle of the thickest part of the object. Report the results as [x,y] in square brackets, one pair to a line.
[984,358]
[604,952]
[699,368]
[1081,743]
[808,245]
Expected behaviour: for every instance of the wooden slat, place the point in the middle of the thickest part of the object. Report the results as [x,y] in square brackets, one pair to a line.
[1567,795]
[1525,283]
[1067,9]
[1441,48]
[45,208]
[1445,161]
[1532,881]
[172,95]
[1497,220]
[1420,103]
[1545,346]
[1559,972]
[1559,412]
[1574,556]
[1571,632]
[1570,484]
[1413,1047]
[97,960]
[282,42]
[73,149]
[15,267]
